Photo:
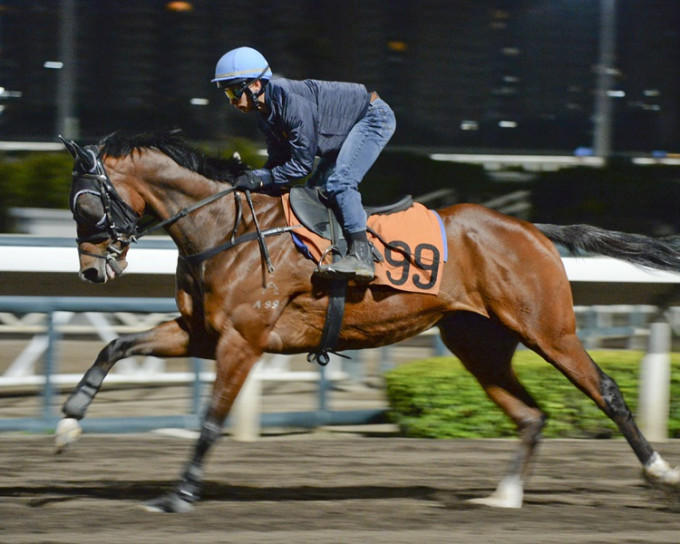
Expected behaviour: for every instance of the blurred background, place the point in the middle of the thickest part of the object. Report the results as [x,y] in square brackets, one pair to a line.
[589,87]
[555,111]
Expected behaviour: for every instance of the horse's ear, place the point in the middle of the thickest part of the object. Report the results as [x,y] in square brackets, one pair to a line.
[87,159]
[70,145]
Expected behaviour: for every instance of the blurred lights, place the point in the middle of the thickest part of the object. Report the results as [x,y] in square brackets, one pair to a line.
[616,94]
[397,46]
[53,65]
[469,125]
[6,93]
[179,6]
[199,102]
[507,124]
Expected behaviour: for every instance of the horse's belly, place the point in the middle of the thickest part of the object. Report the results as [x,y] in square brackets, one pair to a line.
[366,324]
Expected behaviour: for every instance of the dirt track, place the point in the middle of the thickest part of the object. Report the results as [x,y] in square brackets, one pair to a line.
[327,487]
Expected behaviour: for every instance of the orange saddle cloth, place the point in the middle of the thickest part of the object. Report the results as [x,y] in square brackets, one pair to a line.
[412,243]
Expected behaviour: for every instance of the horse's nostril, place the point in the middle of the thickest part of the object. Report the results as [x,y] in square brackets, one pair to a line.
[90,274]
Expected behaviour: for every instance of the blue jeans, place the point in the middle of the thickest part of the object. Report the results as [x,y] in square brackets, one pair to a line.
[341,175]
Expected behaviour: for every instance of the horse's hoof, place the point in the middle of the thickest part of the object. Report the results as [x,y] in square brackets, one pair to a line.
[66,434]
[658,472]
[168,504]
[508,494]
[496,502]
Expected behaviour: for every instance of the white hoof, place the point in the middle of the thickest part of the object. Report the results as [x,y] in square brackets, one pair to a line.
[66,434]
[171,503]
[658,471]
[508,494]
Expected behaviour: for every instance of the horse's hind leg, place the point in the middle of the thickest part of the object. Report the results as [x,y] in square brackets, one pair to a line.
[486,348]
[568,355]
[168,339]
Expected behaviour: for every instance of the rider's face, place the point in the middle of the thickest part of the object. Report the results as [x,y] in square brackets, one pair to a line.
[244,103]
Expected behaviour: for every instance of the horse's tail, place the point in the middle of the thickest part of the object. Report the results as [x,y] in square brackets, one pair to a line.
[662,254]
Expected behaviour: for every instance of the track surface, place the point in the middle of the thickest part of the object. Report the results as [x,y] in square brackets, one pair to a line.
[327,487]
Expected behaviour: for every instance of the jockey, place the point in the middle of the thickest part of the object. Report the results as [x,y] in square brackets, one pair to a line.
[342,123]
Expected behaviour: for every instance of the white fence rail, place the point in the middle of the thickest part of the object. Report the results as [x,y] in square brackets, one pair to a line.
[47,319]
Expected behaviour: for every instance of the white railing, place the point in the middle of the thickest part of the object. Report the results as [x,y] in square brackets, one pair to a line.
[49,319]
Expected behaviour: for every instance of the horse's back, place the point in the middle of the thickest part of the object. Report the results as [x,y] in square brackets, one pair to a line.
[497,260]
[475,225]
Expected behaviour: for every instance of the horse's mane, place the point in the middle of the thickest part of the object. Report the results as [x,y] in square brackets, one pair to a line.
[171,143]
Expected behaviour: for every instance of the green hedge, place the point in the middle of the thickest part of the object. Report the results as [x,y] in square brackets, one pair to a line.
[438,398]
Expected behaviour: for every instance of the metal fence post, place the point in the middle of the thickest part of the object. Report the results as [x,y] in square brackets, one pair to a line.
[197,386]
[50,364]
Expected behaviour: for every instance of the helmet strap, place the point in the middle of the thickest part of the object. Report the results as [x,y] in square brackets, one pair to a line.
[254,96]
[259,105]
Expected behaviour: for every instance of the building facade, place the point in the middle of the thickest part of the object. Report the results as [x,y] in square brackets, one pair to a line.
[464,74]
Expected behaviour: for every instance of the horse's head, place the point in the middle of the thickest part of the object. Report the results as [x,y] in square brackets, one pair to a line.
[106,223]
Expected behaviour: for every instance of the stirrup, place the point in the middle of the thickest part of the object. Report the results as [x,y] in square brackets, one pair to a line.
[328,271]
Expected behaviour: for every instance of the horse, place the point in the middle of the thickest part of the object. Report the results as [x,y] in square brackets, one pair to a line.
[503,284]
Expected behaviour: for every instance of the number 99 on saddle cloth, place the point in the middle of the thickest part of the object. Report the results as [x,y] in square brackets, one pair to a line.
[412,243]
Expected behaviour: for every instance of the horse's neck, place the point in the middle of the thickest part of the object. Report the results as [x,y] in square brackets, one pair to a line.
[211,224]
[206,226]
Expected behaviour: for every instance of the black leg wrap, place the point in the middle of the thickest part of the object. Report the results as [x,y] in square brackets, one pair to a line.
[211,431]
[77,403]
[616,406]
[189,488]
[618,411]
[532,430]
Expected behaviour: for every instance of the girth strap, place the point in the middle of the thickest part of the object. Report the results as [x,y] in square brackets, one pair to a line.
[333,323]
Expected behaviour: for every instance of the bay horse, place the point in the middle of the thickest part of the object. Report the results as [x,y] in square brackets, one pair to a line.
[504,283]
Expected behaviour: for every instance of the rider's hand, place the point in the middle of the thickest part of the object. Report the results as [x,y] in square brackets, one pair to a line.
[248,180]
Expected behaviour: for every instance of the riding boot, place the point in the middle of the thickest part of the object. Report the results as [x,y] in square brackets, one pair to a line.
[357,265]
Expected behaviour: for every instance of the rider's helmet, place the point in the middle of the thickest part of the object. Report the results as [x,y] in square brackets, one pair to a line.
[240,67]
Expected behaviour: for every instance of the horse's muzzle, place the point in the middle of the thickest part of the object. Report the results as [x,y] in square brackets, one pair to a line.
[101,268]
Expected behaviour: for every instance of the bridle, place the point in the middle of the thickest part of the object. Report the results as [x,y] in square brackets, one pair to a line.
[120,224]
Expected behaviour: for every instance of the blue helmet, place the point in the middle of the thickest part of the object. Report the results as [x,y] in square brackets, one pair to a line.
[243,64]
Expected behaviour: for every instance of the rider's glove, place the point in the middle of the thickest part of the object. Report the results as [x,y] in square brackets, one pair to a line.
[249,180]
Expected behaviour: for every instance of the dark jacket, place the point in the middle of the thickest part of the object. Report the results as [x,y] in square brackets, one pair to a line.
[306,119]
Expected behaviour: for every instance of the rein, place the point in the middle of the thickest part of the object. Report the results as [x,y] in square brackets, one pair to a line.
[120,222]
[258,235]
[183,212]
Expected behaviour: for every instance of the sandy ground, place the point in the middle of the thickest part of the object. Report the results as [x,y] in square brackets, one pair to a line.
[328,486]
[334,485]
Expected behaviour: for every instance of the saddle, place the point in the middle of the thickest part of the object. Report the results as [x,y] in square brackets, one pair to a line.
[312,208]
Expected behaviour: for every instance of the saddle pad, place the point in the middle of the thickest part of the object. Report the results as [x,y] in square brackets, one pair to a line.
[413,257]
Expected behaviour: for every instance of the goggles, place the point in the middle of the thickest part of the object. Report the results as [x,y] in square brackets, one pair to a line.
[235,92]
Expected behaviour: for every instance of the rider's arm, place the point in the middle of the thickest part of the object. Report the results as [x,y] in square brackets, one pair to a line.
[291,156]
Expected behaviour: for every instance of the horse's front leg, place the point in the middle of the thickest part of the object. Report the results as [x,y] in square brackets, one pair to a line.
[169,339]
[235,358]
